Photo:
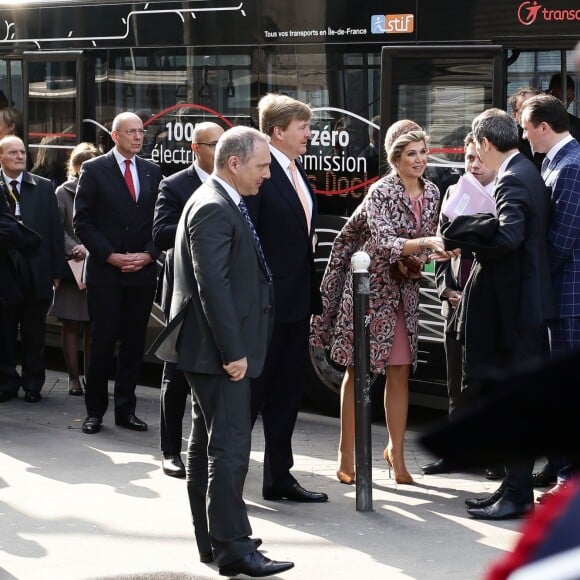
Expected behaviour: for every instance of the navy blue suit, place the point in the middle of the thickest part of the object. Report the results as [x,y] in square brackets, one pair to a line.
[174,192]
[277,394]
[107,220]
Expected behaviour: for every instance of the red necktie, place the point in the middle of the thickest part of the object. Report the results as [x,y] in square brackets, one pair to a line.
[129,179]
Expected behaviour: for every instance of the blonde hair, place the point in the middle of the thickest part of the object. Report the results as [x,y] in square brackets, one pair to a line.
[79,155]
[279,111]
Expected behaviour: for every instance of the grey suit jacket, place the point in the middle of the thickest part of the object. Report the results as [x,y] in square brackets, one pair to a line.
[221,309]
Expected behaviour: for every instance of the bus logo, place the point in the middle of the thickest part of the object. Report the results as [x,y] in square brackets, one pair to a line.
[392,23]
[528,12]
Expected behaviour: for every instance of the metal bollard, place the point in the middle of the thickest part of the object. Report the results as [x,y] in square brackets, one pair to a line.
[360,262]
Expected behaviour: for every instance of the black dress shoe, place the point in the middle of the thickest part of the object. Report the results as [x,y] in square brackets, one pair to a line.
[131,422]
[92,425]
[494,473]
[545,477]
[32,397]
[206,557]
[4,396]
[502,509]
[173,466]
[295,492]
[559,487]
[255,565]
[439,466]
[481,502]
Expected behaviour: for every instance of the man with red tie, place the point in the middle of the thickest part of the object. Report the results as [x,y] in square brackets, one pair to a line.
[113,217]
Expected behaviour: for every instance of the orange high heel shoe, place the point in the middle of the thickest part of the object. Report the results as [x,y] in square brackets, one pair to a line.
[402,476]
[346,478]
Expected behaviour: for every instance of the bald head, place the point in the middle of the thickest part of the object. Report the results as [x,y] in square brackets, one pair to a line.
[204,141]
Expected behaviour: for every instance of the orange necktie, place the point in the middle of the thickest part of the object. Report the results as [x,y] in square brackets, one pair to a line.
[297,182]
[129,179]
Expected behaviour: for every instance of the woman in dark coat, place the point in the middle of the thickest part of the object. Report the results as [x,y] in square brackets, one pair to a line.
[70,303]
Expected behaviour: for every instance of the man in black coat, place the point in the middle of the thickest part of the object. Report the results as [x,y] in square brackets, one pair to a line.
[174,192]
[507,301]
[113,217]
[284,213]
[220,324]
[31,200]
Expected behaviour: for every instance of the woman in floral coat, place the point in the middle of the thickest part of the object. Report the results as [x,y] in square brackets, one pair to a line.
[395,225]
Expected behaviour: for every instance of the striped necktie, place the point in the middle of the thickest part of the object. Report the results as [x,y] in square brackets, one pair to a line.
[244,212]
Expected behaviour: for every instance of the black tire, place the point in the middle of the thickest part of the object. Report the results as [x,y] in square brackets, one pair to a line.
[323,388]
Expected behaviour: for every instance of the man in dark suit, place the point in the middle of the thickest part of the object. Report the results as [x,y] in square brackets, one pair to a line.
[221,314]
[507,301]
[546,126]
[15,239]
[284,213]
[113,217]
[451,277]
[32,201]
[174,192]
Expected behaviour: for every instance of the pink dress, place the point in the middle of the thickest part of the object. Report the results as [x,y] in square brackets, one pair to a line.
[401,350]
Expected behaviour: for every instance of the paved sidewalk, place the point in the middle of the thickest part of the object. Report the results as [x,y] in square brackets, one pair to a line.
[74,506]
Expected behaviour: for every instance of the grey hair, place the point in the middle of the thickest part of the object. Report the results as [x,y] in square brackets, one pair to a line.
[237,142]
[499,128]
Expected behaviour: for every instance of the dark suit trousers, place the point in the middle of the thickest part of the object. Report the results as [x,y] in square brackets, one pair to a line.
[218,456]
[518,482]
[453,362]
[28,318]
[277,395]
[117,313]
[174,390]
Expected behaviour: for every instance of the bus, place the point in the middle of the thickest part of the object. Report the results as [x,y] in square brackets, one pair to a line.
[70,66]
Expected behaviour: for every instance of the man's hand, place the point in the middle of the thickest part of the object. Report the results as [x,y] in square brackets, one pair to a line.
[130,262]
[237,369]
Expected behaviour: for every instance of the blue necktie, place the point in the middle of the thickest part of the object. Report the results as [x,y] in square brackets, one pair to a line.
[244,212]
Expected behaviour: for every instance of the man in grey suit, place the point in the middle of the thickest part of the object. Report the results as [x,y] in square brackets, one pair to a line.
[174,192]
[32,201]
[547,128]
[113,217]
[221,318]
[507,301]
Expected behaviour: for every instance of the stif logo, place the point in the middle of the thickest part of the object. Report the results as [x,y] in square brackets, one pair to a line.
[392,23]
[528,12]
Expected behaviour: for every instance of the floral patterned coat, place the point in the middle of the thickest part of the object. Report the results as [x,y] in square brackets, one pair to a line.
[380,226]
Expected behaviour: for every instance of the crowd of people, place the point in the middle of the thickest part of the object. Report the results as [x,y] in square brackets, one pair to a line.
[242,301]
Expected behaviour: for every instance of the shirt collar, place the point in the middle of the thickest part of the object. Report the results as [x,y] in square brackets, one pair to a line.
[554,150]
[234,195]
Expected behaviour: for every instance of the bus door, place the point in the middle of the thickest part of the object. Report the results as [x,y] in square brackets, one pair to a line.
[442,88]
[58,108]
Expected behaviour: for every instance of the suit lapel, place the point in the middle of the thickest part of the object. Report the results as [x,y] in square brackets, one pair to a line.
[215,185]
[280,179]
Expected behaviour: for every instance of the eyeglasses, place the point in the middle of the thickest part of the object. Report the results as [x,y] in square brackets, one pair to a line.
[133,132]
[212,144]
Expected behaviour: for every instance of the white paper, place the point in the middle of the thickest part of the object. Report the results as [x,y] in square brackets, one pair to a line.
[468,197]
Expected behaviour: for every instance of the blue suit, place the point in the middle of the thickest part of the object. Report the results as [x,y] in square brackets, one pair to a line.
[563,179]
